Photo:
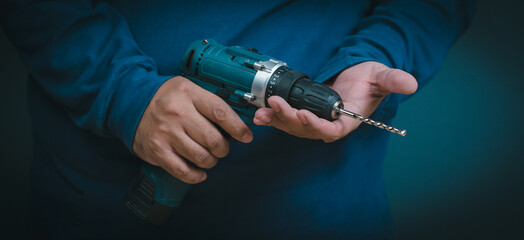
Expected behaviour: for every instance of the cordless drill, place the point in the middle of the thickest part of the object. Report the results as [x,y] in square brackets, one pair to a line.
[245,80]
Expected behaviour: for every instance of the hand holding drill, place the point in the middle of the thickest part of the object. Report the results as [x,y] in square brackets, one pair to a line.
[229,88]
[362,88]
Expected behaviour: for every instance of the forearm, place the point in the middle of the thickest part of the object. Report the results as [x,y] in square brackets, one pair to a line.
[410,35]
[86,59]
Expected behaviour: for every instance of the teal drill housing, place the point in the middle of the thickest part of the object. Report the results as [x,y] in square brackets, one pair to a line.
[227,72]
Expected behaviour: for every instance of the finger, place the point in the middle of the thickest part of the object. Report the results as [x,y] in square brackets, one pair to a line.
[263,116]
[283,111]
[301,123]
[397,81]
[326,130]
[179,168]
[207,135]
[266,116]
[194,152]
[216,110]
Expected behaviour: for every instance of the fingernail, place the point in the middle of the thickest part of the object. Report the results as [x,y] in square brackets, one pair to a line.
[276,108]
[302,119]
[247,137]
[203,178]
[265,118]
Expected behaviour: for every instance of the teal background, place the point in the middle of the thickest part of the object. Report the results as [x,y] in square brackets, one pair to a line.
[456,175]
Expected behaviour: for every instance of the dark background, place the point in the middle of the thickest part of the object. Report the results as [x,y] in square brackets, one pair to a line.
[456,175]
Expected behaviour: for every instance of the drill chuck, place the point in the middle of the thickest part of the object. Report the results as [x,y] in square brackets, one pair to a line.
[315,97]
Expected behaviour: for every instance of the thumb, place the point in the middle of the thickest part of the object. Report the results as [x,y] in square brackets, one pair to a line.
[397,81]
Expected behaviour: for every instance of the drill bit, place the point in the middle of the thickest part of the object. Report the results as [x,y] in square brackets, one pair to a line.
[371,121]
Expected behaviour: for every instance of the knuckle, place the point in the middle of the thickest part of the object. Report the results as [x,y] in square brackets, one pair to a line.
[214,140]
[210,163]
[163,129]
[201,157]
[180,172]
[184,86]
[173,109]
[220,112]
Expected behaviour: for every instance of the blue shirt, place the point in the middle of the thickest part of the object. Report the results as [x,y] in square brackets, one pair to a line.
[94,66]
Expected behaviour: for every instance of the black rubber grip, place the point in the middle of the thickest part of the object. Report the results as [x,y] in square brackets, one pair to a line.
[141,200]
[281,82]
[315,97]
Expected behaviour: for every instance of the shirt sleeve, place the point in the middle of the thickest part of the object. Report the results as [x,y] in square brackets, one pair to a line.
[84,57]
[411,35]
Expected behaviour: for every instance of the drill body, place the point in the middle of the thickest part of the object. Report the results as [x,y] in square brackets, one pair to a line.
[244,79]
[222,71]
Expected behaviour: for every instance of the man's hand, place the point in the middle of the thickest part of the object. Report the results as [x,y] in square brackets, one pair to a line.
[362,88]
[177,124]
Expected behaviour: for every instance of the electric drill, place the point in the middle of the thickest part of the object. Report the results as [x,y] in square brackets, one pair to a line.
[245,80]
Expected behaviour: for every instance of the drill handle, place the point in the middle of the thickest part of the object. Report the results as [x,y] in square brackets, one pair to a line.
[155,194]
